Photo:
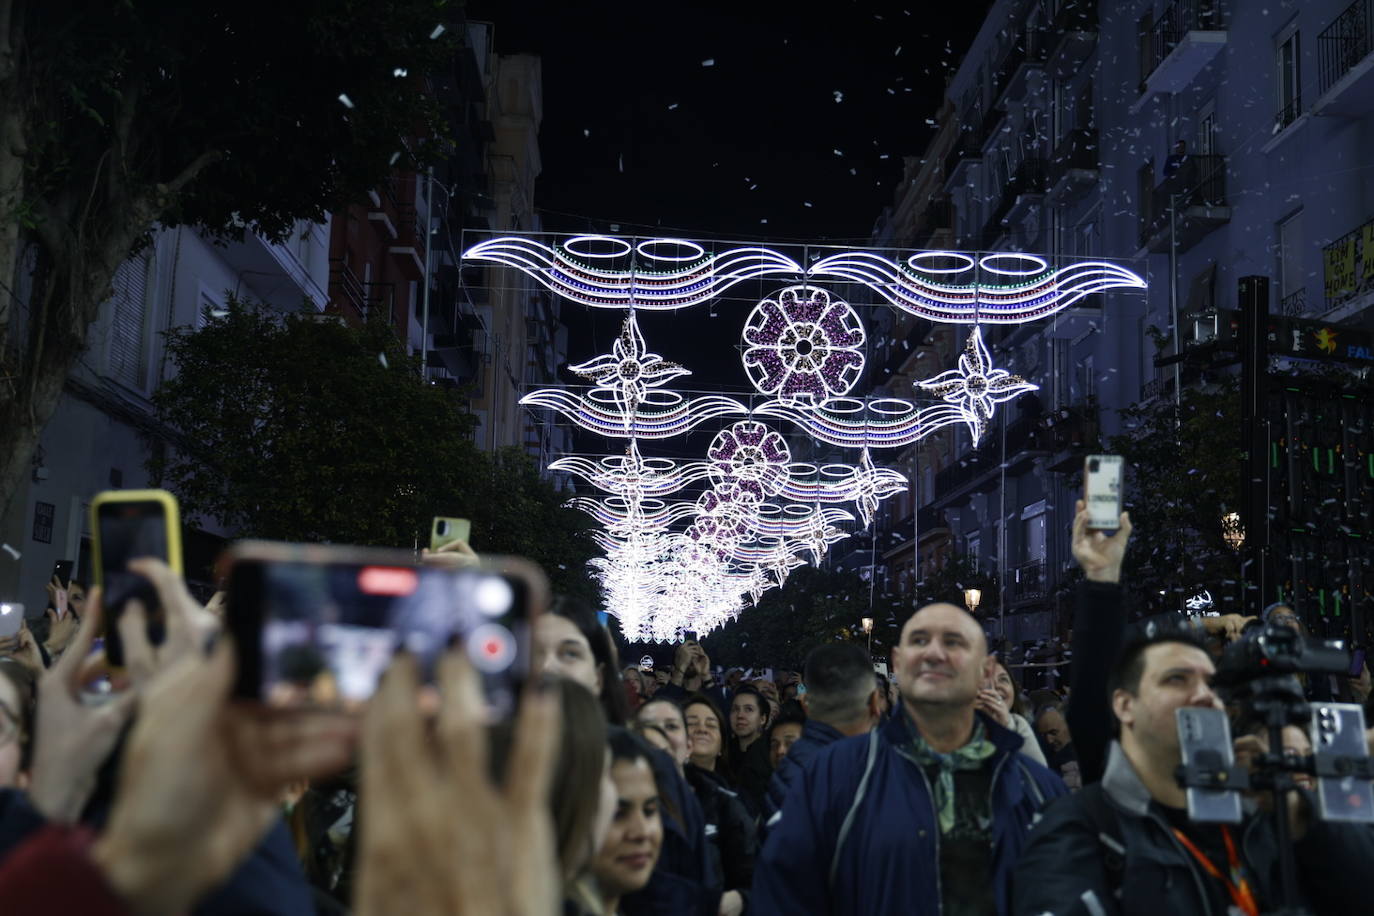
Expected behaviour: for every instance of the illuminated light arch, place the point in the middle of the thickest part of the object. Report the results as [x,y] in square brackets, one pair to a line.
[654,418]
[971,303]
[685,284]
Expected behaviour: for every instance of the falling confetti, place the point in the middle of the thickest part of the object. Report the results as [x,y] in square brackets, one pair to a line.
[381,358]
[839,96]
[399,72]
[394,157]
[672,106]
[438,30]
[806,203]
[347,102]
[709,62]
[586,132]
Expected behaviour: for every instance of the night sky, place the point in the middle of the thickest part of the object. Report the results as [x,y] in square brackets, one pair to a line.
[802,104]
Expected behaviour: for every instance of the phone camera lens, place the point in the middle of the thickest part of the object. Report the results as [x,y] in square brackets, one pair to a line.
[491,648]
[442,529]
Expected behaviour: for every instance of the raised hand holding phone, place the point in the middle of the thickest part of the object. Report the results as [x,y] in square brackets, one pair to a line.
[1098,553]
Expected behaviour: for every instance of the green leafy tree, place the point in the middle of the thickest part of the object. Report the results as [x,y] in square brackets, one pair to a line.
[305,429]
[813,607]
[231,117]
[1183,480]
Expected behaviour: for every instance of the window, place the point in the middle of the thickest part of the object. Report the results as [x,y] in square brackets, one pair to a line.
[1033,538]
[973,548]
[1292,282]
[1207,130]
[1287,64]
[1088,384]
[128,361]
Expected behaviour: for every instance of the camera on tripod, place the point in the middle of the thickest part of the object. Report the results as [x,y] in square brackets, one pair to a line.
[1262,674]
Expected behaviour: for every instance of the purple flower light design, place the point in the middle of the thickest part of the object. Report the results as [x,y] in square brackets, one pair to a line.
[803,345]
[976,386]
[752,456]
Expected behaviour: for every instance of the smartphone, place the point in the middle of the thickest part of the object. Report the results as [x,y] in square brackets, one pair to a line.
[1204,737]
[127,525]
[1338,732]
[62,570]
[317,625]
[445,531]
[1102,491]
[11,619]
[1357,662]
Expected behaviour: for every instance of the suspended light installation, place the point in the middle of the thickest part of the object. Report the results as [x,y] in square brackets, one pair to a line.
[695,562]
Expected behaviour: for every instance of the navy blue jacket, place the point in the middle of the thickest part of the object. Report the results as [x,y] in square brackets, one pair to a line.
[858,832]
[815,736]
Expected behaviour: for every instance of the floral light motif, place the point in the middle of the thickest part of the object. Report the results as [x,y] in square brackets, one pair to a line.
[803,345]
[976,386]
[750,453]
[629,370]
[871,484]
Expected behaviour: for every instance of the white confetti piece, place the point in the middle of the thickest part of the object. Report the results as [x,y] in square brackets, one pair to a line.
[806,203]
[10,550]
[345,100]
[586,133]
[381,358]
[672,106]
[438,30]
[709,62]
[400,72]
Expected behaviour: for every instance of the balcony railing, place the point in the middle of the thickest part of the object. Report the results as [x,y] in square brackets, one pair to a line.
[1071,37]
[1177,20]
[1027,581]
[1294,304]
[1288,113]
[1348,266]
[1200,181]
[349,287]
[1030,178]
[967,147]
[1344,43]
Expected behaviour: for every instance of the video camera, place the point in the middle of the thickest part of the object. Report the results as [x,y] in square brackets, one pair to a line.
[1272,650]
[1261,673]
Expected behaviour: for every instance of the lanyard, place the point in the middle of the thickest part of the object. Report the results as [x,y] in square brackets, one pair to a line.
[1236,885]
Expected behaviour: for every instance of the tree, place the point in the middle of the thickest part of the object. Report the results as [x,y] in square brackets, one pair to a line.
[305,429]
[231,117]
[813,607]
[1183,481]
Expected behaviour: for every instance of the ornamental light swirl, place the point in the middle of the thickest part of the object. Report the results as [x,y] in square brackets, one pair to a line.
[689,542]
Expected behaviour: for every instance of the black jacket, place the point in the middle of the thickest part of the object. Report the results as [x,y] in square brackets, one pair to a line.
[686,881]
[728,826]
[815,736]
[1099,620]
[750,772]
[1064,867]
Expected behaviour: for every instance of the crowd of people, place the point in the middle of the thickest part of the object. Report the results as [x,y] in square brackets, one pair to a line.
[947,788]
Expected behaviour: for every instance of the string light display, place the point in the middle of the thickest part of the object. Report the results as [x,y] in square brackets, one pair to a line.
[803,344]
[693,563]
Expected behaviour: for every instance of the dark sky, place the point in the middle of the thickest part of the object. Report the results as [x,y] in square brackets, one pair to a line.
[754,135]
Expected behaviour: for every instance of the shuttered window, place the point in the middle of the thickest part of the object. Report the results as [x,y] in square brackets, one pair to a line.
[128,329]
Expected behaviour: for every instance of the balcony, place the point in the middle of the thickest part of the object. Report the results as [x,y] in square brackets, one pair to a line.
[1022,193]
[1023,67]
[1345,67]
[1073,168]
[968,149]
[1069,434]
[1348,269]
[1197,193]
[1188,36]
[1294,304]
[937,218]
[1027,583]
[409,244]
[1071,38]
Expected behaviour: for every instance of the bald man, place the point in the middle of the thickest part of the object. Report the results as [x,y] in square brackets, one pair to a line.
[925,814]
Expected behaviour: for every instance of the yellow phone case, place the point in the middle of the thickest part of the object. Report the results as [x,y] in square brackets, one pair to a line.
[172,519]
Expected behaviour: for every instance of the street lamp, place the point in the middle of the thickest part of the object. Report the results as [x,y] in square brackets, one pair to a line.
[1231,530]
[971,598]
[868,628]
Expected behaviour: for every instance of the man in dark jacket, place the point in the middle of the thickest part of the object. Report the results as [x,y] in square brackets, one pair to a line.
[1126,846]
[926,814]
[840,701]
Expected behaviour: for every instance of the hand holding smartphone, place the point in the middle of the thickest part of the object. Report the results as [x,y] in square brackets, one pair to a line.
[128,524]
[444,531]
[317,625]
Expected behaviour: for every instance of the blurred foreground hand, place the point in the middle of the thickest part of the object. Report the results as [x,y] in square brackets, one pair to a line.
[438,837]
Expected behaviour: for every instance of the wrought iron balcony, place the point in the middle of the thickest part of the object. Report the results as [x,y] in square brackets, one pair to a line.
[1187,37]
[1345,67]
[1196,193]
[1071,37]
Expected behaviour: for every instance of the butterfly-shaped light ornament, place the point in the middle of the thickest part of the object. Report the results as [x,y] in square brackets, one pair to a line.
[975,387]
[629,370]
[871,484]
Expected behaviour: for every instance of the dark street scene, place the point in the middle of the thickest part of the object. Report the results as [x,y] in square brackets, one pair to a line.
[522,458]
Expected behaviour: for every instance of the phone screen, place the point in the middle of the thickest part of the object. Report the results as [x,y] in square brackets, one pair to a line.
[322,634]
[129,530]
